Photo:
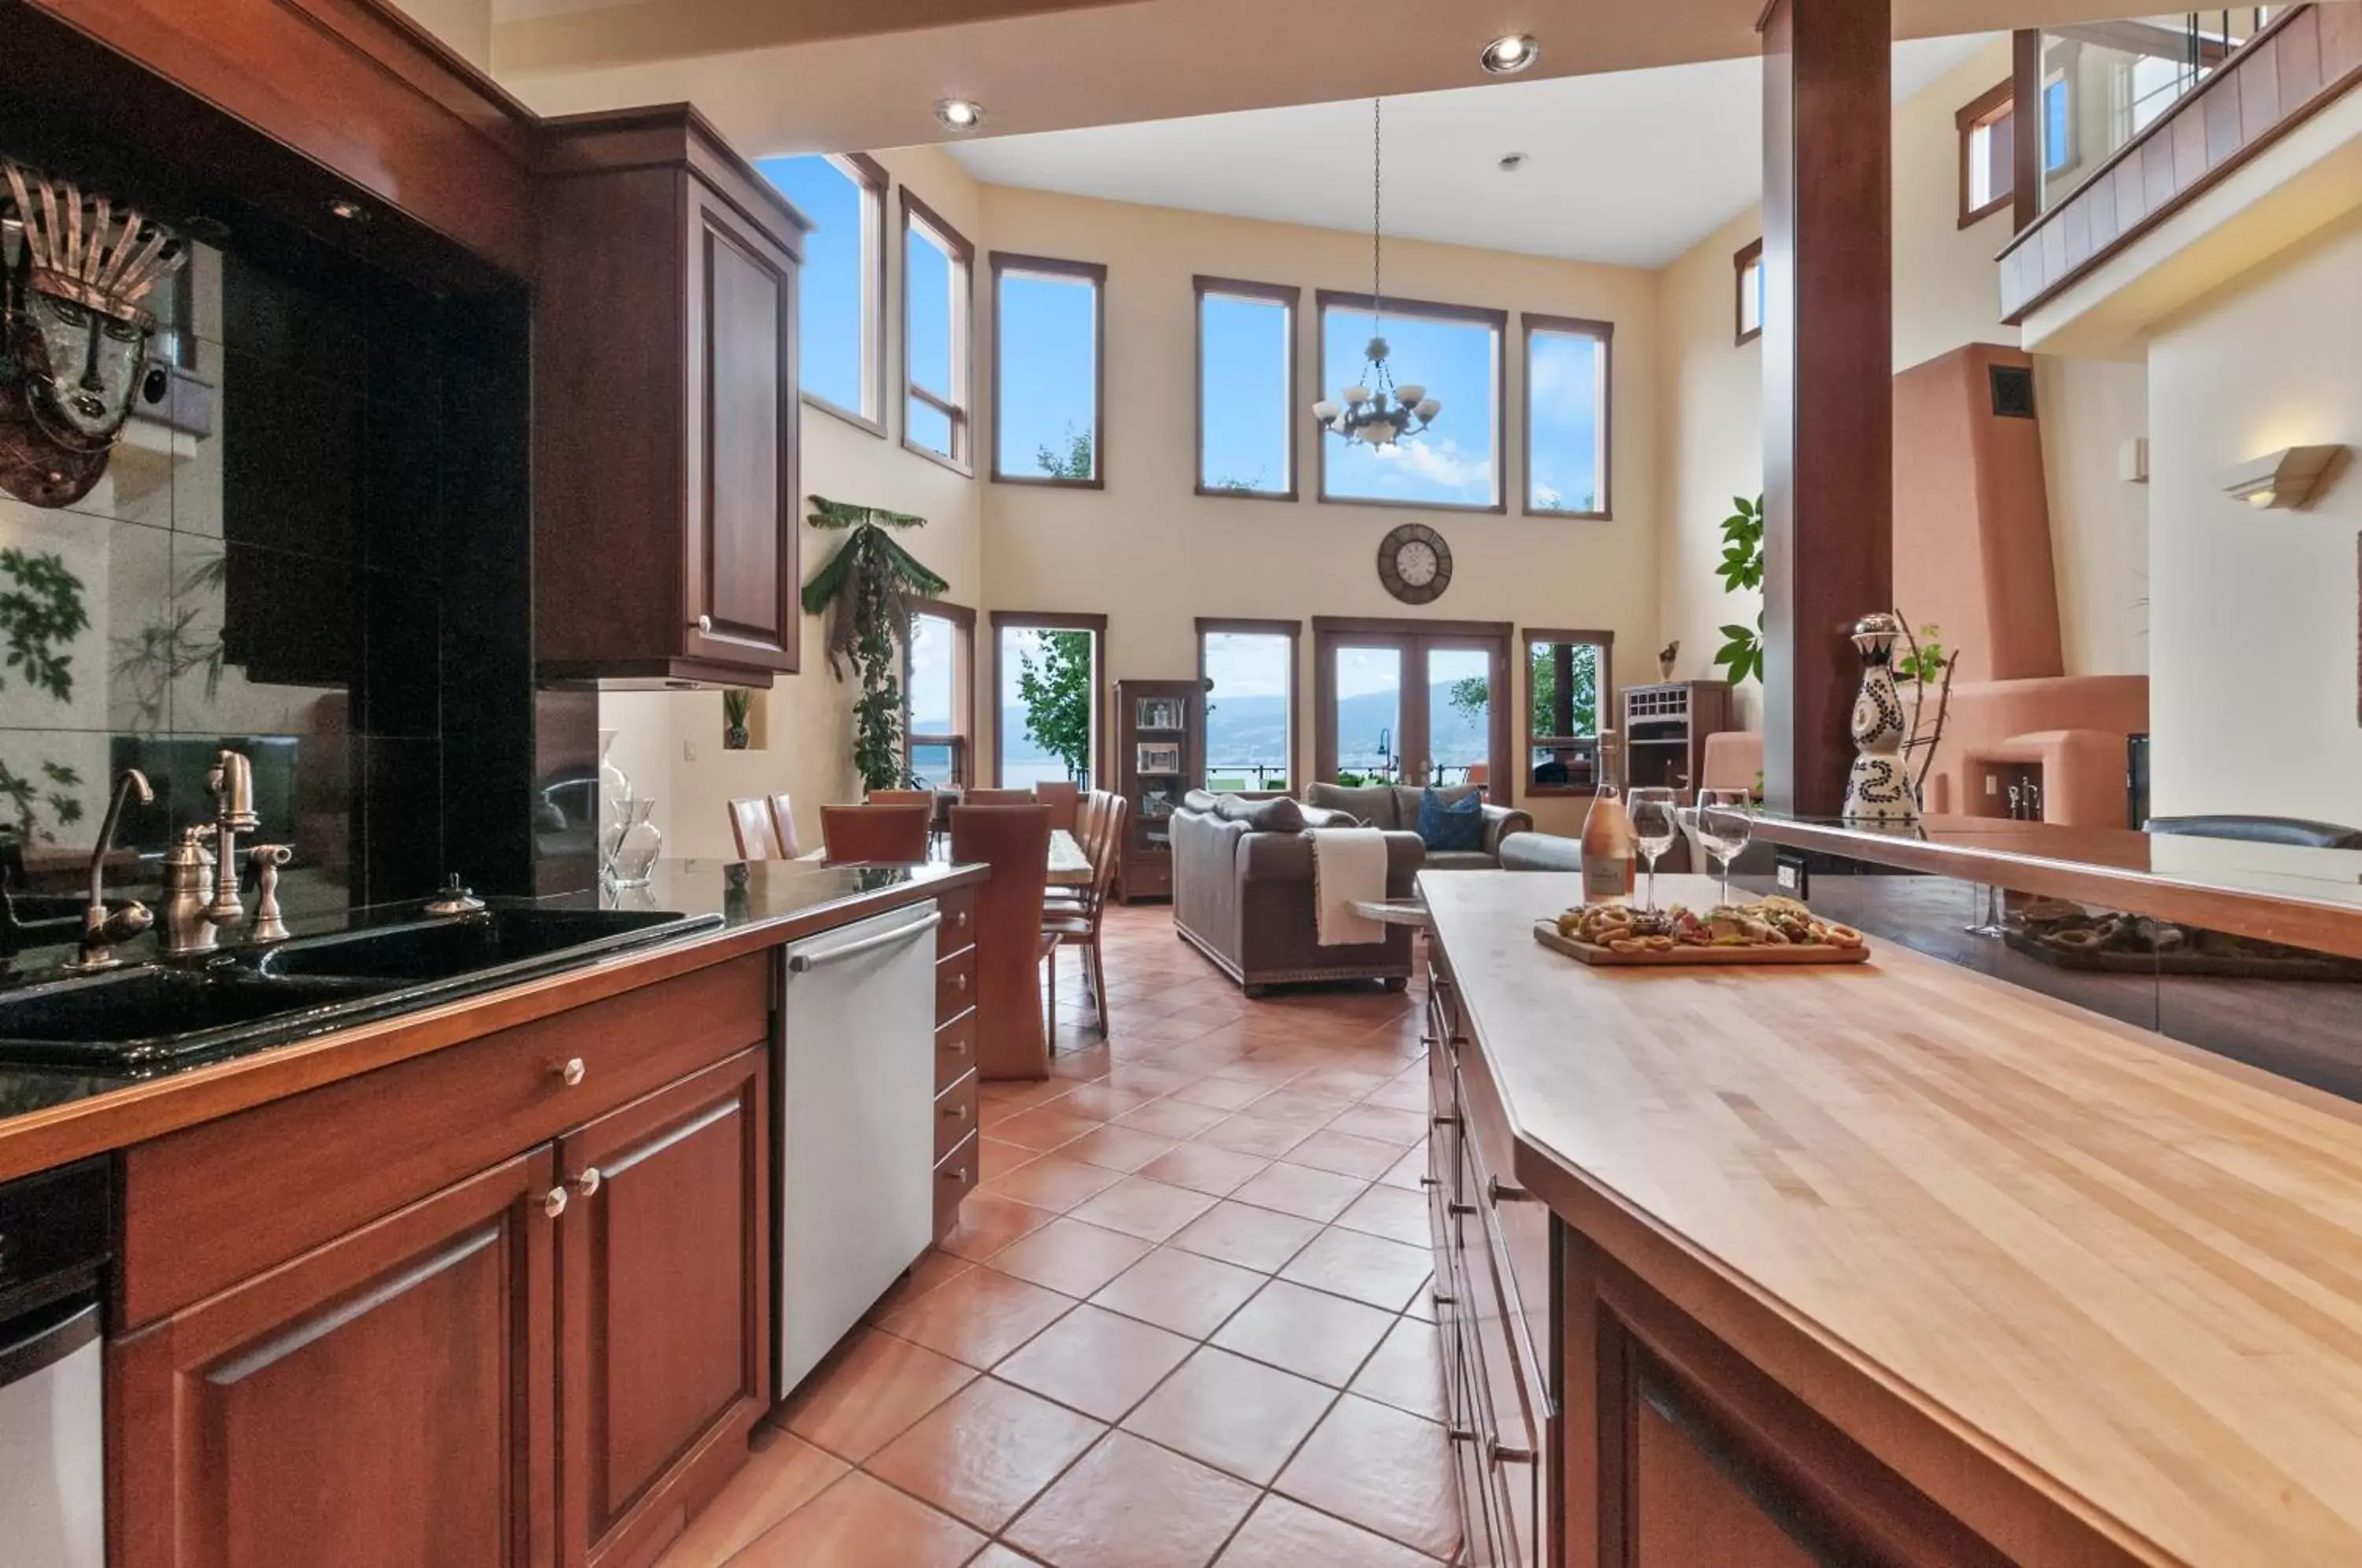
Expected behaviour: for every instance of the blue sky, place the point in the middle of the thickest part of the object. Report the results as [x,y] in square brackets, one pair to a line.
[830,356]
[1564,394]
[1456,361]
[1049,358]
[1244,347]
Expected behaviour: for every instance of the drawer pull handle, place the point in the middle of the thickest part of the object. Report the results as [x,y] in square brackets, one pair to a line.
[1456,1435]
[1445,1120]
[957,1112]
[1462,1208]
[959,1175]
[959,981]
[704,623]
[1502,1453]
[588,1181]
[570,1072]
[959,920]
[1428,1181]
[1445,1300]
[1503,1193]
[553,1202]
[958,1047]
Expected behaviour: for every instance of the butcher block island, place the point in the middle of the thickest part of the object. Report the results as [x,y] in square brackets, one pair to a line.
[1885,1262]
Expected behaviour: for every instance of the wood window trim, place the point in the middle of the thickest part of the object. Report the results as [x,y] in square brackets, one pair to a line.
[1603,333]
[871,176]
[1605,641]
[1094,274]
[1291,297]
[1103,699]
[962,738]
[1481,315]
[1985,108]
[1404,631]
[1748,255]
[961,458]
[1251,627]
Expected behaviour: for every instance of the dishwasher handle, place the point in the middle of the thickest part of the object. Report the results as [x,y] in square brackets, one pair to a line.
[40,1340]
[804,963]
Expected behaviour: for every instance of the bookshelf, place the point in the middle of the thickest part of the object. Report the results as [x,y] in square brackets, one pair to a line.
[1157,762]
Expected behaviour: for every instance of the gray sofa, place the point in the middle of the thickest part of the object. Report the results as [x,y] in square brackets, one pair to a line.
[1396,809]
[1542,852]
[1242,894]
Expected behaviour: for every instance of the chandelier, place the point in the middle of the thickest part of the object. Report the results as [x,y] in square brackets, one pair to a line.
[1373,410]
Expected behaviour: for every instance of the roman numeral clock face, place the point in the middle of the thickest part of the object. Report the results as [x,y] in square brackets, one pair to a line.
[1414,564]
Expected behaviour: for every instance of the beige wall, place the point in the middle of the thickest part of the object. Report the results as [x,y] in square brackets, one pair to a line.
[1946,291]
[2099,523]
[2252,664]
[465,25]
[1153,555]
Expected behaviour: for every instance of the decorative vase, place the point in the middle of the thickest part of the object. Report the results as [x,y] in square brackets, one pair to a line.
[1878,787]
[1666,658]
[734,737]
[628,847]
[615,785]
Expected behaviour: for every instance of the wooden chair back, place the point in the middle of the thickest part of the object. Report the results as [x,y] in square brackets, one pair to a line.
[875,833]
[1000,798]
[1065,799]
[750,830]
[783,823]
[1104,849]
[1014,842]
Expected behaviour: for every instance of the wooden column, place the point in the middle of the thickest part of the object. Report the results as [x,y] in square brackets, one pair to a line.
[2025,126]
[1828,418]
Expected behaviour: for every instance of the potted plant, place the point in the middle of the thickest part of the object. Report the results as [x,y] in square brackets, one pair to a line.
[1742,654]
[734,702]
[867,587]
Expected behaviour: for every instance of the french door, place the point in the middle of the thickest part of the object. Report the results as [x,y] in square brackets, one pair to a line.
[1406,701]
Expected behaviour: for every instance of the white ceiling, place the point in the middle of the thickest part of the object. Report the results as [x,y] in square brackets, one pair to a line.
[1629,167]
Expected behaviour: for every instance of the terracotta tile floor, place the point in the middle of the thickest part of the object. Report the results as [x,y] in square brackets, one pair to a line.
[1185,1322]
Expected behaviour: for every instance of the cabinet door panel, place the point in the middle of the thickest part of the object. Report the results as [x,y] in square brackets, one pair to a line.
[383,1401]
[664,1341]
[1686,1511]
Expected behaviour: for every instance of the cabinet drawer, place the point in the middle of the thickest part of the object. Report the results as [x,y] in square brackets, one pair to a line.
[955,1050]
[299,1171]
[955,1179]
[955,983]
[958,929]
[955,1116]
[1509,1415]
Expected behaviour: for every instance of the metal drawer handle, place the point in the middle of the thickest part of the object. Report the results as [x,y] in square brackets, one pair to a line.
[1456,1435]
[957,1110]
[1428,1181]
[1502,1453]
[553,1202]
[1462,1208]
[804,963]
[588,1181]
[1445,1120]
[959,981]
[959,1175]
[1503,1193]
[1445,1300]
[959,920]
[570,1072]
[706,623]
[959,1046]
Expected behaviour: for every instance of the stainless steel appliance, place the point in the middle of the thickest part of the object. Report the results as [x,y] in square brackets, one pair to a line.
[53,1246]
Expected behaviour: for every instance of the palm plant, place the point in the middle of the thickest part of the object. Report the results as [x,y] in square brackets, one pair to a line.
[869,587]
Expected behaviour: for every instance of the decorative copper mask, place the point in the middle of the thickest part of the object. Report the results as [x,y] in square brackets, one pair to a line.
[73,333]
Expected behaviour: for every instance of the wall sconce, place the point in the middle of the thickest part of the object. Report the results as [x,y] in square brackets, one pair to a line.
[2287,478]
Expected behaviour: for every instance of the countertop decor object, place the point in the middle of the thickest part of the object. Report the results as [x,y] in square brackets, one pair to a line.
[1879,789]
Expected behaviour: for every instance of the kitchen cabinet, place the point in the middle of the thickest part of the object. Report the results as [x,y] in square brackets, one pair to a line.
[667,507]
[957,1146]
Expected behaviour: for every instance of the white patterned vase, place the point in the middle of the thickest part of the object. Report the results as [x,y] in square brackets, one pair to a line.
[1878,787]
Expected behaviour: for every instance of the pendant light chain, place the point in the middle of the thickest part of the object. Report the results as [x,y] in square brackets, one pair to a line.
[1377,212]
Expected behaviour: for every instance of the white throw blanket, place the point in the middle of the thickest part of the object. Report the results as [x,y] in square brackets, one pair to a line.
[1348,864]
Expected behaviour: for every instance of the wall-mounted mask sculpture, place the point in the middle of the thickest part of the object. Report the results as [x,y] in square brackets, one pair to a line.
[73,331]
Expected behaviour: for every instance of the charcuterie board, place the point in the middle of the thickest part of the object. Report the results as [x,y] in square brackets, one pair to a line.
[1546,932]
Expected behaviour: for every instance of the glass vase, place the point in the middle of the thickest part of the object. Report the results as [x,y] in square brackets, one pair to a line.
[614,785]
[628,848]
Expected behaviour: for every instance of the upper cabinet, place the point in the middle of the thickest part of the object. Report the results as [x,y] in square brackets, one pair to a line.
[664,405]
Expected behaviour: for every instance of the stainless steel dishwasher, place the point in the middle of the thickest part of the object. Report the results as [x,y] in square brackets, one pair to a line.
[53,1249]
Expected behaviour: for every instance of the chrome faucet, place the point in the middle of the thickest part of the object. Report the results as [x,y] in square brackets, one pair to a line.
[101,931]
[233,785]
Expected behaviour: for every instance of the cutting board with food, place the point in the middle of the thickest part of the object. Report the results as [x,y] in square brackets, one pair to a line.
[1773,931]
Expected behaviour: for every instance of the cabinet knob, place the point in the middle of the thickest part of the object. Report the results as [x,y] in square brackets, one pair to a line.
[553,1202]
[1502,1453]
[1463,1209]
[959,920]
[588,1181]
[959,1175]
[956,1111]
[959,981]
[570,1072]
[1502,1192]
[706,623]
[1445,1120]
[959,1046]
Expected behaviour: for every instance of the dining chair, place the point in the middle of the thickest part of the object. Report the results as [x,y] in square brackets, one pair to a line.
[1000,798]
[1064,797]
[1080,926]
[1013,842]
[902,797]
[783,823]
[751,828]
[875,833]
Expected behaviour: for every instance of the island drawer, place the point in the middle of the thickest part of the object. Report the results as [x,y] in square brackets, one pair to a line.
[955,1050]
[211,1205]
[955,983]
[955,1116]
[955,1176]
[958,929]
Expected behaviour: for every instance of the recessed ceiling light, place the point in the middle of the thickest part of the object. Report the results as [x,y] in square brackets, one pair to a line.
[1511,162]
[959,113]
[1507,56]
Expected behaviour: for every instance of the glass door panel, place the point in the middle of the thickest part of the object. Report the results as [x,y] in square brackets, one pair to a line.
[1366,720]
[1410,707]
[1459,741]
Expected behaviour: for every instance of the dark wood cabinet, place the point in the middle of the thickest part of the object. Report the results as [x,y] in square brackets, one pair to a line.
[1665,726]
[662,1353]
[1159,758]
[956,1083]
[384,1400]
[667,507]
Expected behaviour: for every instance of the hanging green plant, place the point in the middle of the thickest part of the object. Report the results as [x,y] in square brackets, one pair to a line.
[867,587]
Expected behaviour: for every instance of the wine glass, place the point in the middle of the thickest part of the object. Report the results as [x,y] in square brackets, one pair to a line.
[1653,827]
[1725,821]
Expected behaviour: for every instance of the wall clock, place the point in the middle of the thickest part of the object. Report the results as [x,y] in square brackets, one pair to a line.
[1414,564]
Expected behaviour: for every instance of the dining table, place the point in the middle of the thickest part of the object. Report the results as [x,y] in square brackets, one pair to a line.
[1069,866]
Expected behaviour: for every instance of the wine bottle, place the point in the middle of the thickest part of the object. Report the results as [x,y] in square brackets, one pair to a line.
[1607,842]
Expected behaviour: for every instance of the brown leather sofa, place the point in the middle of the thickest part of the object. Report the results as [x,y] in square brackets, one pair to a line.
[1392,806]
[1242,895]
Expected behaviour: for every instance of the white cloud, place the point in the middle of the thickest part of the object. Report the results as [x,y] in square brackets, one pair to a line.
[1442,463]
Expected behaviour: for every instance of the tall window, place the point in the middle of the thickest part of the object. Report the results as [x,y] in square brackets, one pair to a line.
[1988,130]
[1049,670]
[842,361]
[1249,668]
[936,336]
[938,662]
[1567,384]
[1749,264]
[1049,350]
[2058,123]
[1454,353]
[1246,388]
[1570,682]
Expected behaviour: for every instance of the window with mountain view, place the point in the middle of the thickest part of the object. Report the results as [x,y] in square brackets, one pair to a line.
[1246,379]
[837,356]
[1048,328]
[1250,671]
[1453,354]
[1566,415]
[1047,694]
[935,683]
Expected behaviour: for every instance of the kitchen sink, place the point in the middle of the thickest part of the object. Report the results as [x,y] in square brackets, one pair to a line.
[160,1016]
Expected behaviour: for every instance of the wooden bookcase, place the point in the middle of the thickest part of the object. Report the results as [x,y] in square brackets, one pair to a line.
[1157,760]
[1664,730]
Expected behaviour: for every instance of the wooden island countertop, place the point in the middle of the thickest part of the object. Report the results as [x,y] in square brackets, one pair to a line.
[2097,1294]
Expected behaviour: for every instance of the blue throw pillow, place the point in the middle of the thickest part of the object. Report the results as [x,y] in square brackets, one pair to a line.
[1458,824]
